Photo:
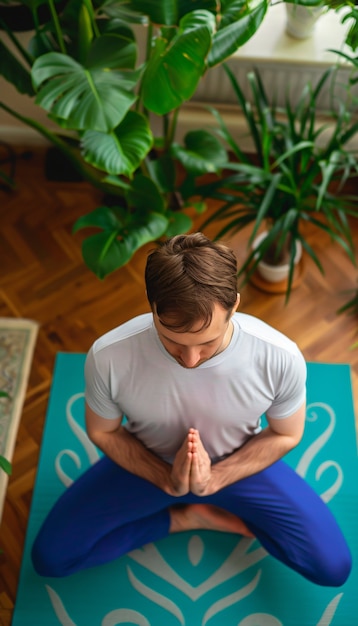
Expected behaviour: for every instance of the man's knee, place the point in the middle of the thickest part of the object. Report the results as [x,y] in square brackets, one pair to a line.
[332,569]
[48,560]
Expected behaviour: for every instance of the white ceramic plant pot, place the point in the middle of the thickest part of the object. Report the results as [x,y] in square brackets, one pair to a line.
[275,273]
[301,21]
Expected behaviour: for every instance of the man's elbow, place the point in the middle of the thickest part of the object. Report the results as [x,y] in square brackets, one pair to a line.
[98,436]
[295,439]
[93,435]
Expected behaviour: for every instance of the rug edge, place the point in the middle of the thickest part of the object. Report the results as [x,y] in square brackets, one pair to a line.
[8,451]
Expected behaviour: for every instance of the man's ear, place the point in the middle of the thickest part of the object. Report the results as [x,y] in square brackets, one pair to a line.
[236,304]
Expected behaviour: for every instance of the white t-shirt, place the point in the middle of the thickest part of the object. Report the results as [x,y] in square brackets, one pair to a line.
[129,373]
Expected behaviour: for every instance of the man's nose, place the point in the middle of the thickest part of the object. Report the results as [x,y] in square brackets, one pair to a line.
[190,356]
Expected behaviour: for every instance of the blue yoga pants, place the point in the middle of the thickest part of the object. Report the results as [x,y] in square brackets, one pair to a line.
[108,512]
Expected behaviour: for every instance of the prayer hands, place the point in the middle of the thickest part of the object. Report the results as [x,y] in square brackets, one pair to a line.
[191,469]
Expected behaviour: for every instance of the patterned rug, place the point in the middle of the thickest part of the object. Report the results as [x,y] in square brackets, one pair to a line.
[17,342]
[195,578]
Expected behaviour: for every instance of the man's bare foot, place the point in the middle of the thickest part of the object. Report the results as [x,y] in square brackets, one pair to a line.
[206,517]
[200,472]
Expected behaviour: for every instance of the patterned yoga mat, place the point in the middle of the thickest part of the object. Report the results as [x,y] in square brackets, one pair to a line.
[195,578]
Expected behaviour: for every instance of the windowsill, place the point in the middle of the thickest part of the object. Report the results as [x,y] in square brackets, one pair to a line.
[272,43]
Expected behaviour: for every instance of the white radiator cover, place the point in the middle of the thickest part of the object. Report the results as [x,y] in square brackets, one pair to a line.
[281,81]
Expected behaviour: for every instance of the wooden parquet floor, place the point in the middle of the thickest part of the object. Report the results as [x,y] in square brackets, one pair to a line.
[43,277]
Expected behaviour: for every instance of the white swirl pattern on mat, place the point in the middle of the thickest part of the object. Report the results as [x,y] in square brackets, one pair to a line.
[195,549]
[239,560]
[59,608]
[231,599]
[80,433]
[317,446]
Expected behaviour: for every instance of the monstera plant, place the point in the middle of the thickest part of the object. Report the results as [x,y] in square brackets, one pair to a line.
[83,66]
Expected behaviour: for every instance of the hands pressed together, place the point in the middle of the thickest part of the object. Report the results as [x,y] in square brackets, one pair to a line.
[191,470]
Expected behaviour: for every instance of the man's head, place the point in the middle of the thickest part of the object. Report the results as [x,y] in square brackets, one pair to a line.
[186,277]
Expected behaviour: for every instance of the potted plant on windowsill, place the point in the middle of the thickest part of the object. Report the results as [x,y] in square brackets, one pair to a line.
[296,176]
[301,19]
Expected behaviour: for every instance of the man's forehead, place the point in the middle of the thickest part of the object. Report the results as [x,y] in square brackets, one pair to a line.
[200,328]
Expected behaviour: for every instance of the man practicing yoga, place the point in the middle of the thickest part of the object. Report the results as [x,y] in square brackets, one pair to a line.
[193,379]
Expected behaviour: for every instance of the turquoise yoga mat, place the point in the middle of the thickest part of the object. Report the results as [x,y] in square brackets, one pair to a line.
[195,578]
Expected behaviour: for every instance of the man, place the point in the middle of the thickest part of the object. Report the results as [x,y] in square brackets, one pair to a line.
[193,379]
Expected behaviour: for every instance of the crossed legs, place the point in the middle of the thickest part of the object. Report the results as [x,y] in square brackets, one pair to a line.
[108,512]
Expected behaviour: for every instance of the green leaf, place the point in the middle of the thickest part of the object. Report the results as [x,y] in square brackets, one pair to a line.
[162,171]
[163,12]
[8,182]
[145,195]
[200,207]
[265,205]
[226,135]
[5,465]
[105,252]
[117,182]
[122,150]
[158,12]
[302,145]
[306,3]
[247,111]
[178,223]
[112,51]
[328,169]
[240,21]
[14,72]
[102,217]
[203,153]
[86,98]
[174,69]
[85,32]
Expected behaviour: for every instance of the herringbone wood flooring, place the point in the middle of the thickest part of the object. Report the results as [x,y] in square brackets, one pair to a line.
[43,278]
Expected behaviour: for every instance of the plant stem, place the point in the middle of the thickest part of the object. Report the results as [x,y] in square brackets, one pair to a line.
[53,138]
[148,48]
[26,56]
[58,30]
[170,125]
[93,18]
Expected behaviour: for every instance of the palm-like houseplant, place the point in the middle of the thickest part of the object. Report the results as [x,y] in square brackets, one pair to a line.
[351,306]
[296,176]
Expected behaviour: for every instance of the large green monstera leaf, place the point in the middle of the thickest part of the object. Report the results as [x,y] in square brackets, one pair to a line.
[122,150]
[92,96]
[177,64]
[121,235]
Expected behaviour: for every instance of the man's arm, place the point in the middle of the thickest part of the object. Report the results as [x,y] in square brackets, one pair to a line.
[259,452]
[128,452]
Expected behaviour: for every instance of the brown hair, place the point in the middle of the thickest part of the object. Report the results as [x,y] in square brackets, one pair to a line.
[186,276]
